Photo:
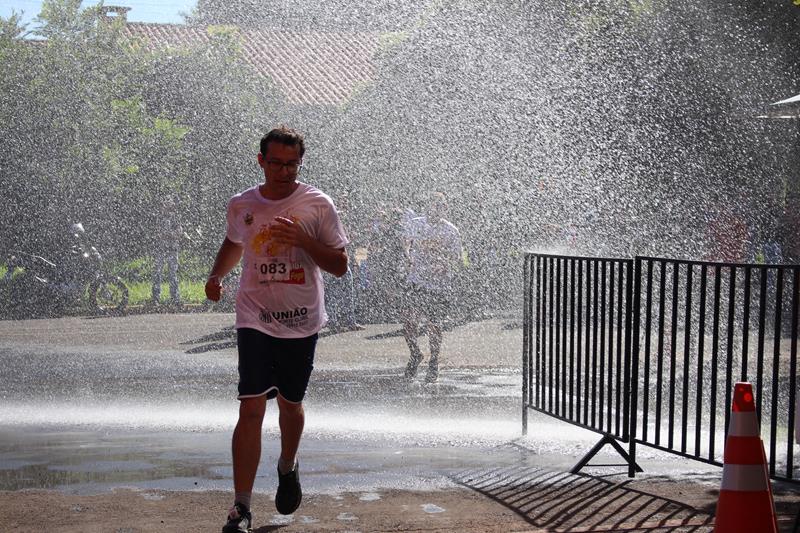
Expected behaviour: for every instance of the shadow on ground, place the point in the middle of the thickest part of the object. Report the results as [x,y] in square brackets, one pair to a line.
[560,501]
[226,338]
[211,342]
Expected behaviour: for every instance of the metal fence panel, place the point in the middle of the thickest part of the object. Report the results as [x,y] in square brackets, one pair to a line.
[700,327]
[577,340]
[647,351]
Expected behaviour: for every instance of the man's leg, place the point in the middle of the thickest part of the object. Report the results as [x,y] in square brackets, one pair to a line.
[158,269]
[410,334]
[247,444]
[246,450]
[435,340]
[174,292]
[291,419]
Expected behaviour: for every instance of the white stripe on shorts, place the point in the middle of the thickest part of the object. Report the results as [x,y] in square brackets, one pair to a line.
[243,396]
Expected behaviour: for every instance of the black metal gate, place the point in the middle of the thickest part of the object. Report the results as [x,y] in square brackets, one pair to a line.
[645,351]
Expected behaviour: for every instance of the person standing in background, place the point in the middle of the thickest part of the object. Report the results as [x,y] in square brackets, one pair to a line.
[435,254]
[166,253]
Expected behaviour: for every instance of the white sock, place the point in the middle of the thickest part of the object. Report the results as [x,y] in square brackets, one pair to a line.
[243,498]
[286,466]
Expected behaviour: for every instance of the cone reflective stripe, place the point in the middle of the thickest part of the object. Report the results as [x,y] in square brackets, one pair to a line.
[745,498]
[751,476]
[743,425]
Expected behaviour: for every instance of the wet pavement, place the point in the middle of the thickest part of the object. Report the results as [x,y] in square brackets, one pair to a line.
[148,402]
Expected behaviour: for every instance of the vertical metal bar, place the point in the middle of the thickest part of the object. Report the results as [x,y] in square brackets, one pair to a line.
[687,338]
[587,367]
[660,371]
[647,340]
[542,383]
[526,320]
[673,342]
[556,381]
[729,362]
[633,303]
[538,349]
[610,378]
[595,320]
[578,331]
[564,384]
[602,324]
[793,368]
[746,303]
[762,313]
[572,339]
[701,344]
[712,431]
[776,361]
[620,348]
[549,378]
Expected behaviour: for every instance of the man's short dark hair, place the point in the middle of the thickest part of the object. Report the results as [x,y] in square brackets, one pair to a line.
[283,135]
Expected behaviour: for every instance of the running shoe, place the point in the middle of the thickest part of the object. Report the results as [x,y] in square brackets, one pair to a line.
[289,495]
[411,367]
[239,520]
[433,374]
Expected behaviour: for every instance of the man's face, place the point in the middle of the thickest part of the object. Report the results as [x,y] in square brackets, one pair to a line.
[281,165]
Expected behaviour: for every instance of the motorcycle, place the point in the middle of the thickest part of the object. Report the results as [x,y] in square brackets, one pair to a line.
[37,286]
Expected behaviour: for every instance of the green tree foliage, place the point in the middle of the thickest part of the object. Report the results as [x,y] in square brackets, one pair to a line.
[226,107]
[100,129]
[56,118]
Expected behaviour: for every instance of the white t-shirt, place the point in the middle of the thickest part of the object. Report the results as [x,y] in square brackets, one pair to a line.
[434,253]
[281,290]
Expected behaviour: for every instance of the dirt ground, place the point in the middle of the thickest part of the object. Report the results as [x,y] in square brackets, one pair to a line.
[490,501]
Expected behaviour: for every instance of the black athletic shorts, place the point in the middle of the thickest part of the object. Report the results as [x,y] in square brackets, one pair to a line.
[436,306]
[271,365]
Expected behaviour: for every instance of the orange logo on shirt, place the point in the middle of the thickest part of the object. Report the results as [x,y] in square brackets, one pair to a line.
[262,243]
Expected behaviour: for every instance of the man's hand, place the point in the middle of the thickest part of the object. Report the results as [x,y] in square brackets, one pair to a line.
[289,233]
[213,288]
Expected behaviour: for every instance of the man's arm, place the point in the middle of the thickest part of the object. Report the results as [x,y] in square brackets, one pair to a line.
[329,259]
[227,258]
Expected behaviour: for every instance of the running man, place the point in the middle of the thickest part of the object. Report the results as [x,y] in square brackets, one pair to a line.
[284,231]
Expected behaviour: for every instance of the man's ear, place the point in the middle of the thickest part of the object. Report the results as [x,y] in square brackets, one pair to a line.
[260,159]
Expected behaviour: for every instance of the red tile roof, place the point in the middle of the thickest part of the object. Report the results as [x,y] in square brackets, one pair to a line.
[313,68]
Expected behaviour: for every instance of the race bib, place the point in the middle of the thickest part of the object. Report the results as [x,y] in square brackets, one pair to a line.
[271,269]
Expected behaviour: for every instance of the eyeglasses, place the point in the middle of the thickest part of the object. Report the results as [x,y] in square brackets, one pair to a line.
[277,166]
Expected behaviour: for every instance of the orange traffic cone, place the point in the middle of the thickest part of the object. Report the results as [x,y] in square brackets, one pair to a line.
[745,498]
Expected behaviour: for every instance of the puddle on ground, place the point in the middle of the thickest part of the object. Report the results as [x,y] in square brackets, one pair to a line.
[431,508]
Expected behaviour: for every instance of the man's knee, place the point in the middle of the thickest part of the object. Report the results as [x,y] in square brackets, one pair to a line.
[289,408]
[252,409]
